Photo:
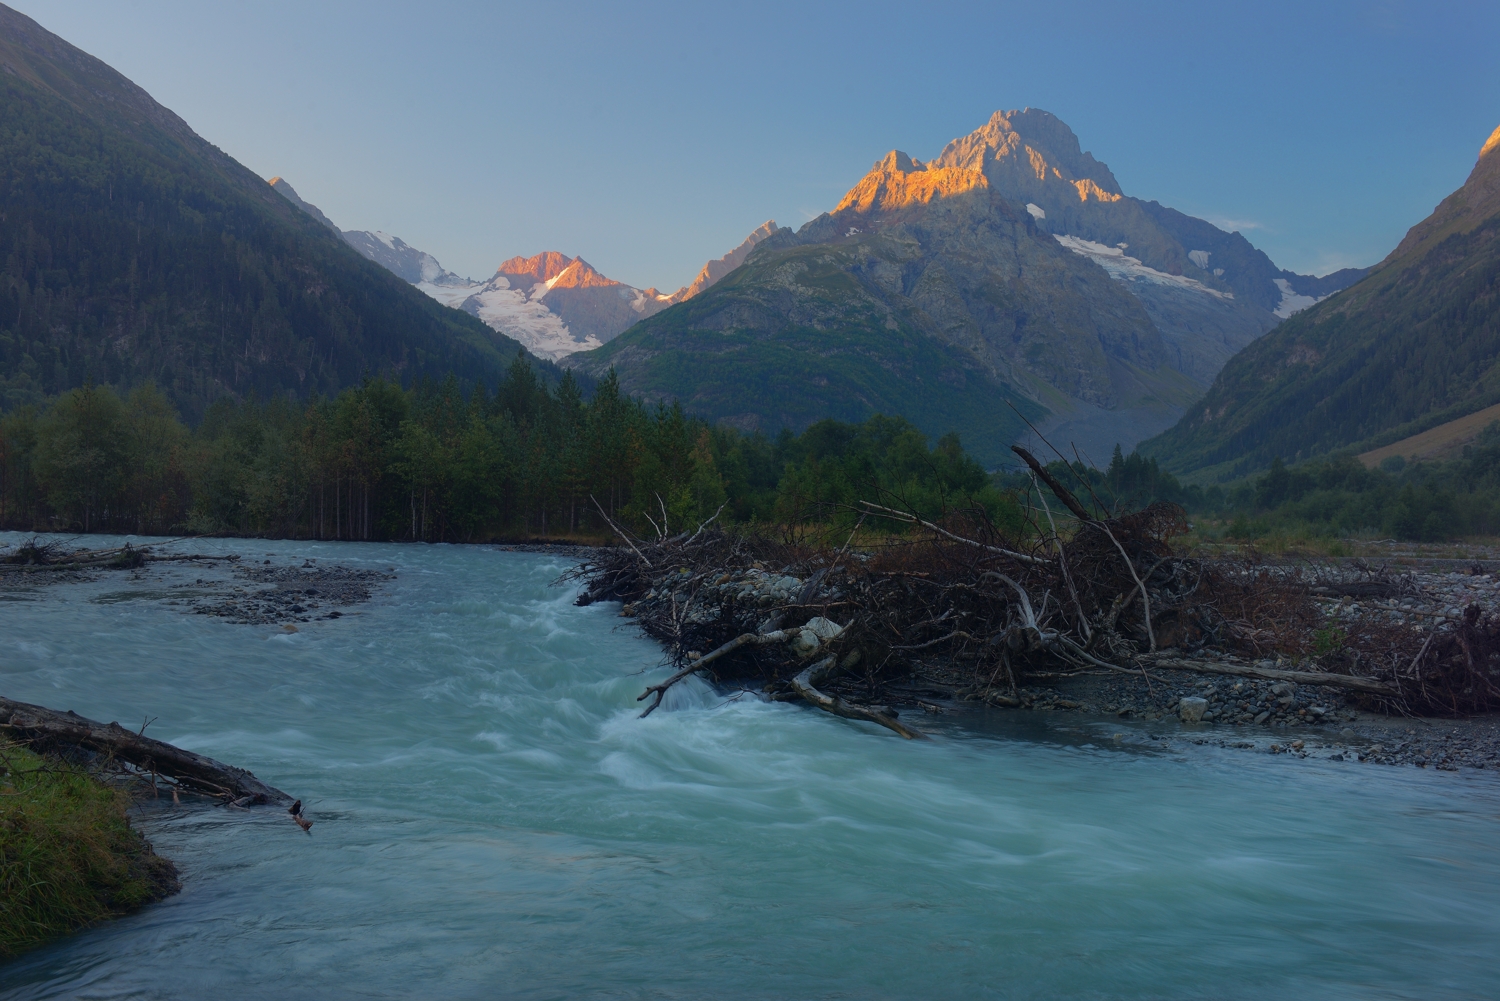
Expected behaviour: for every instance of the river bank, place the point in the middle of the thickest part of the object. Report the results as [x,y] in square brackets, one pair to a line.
[69,856]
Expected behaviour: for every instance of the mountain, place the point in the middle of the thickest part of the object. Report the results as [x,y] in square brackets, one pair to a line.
[924,293]
[553,304]
[390,252]
[719,267]
[134,250]
[1011,267]
[1032,157]
[1411,346]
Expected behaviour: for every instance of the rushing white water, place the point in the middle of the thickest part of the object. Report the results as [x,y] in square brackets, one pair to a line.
[492,820]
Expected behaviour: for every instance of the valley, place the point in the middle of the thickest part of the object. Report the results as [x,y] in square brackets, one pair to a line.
[1000,583]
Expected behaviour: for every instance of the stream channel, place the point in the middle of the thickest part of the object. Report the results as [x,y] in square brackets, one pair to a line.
[491,820]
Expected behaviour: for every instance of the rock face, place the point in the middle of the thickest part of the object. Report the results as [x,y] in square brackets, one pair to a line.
[284,188]
[390,252]
[1019,267]
[718,268]
[1031,157]
[406,262]
[1413,345]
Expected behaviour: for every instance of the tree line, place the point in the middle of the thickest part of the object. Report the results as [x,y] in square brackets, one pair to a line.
[521,459]
[1332,497]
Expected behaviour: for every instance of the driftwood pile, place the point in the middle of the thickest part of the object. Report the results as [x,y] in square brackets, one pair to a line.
[1103,595]
[35,556]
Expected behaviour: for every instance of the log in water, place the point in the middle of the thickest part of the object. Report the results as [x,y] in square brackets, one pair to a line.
[493,820]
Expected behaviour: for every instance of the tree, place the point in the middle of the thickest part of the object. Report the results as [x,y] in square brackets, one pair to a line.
[82,456]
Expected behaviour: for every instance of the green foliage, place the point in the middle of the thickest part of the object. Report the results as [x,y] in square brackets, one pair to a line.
[1329,640]
[68,856]
[1339,497]
[759,355]
[1336,497]
[434,464]
[1129,483]
[832,466]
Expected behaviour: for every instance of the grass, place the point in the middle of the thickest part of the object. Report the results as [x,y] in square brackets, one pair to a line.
[68,855]
[1442,442]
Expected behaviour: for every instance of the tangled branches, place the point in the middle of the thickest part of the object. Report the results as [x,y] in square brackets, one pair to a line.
[1112,596]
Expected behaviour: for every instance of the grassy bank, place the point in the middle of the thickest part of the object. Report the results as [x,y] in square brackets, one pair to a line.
[68,855]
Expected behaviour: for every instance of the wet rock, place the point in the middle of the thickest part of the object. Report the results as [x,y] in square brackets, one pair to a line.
[1191,709]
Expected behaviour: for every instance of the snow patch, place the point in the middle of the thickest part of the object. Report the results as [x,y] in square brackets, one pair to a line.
[1291,302]
[1127,269]
[644,298]
[1200,258]
[1037,212]
[517,313]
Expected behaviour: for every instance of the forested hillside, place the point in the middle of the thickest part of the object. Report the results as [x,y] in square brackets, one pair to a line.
[133,250]
[1413,345]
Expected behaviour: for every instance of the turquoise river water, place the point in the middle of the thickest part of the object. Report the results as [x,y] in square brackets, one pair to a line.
[493,821]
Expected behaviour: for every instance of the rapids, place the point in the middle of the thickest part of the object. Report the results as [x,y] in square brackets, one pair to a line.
[492,820]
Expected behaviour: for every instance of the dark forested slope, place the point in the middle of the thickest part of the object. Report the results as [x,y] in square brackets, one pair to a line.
[1414,344]
[133,250]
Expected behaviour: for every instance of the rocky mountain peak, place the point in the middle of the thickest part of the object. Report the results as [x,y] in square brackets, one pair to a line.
[1490,144]
[527,271]
[1466,208]
[1033,152]
[719,267]
[581,274]
[898,182]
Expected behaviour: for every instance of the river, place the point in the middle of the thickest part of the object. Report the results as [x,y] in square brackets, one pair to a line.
[491,820]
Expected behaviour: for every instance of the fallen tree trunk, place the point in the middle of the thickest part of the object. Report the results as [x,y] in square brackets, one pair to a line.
[805,684]
[191,771]
[745,639]
[1274,674]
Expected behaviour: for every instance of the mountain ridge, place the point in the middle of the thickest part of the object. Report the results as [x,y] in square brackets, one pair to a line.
[1414,344]
[552,304]
[137,251]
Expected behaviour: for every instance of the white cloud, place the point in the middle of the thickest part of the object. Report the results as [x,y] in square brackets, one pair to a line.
[1234,225]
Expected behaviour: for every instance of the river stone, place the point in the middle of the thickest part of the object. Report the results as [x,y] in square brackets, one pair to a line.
[1192,708]
[813,635]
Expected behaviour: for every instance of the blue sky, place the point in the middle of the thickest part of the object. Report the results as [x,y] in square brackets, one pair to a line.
[649,137]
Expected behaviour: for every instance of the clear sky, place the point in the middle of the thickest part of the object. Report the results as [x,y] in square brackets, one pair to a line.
[649,137]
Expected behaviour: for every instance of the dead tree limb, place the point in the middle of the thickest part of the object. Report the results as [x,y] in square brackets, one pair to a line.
[912,519]
[805,684]
[617,529]
[744,639]
[1274,674]
[192,771]
[705,524]
[1062,492]
[1062,561]
[1145,598]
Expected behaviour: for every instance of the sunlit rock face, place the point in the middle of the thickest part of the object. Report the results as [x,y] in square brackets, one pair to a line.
[1031,157]
[721,266]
